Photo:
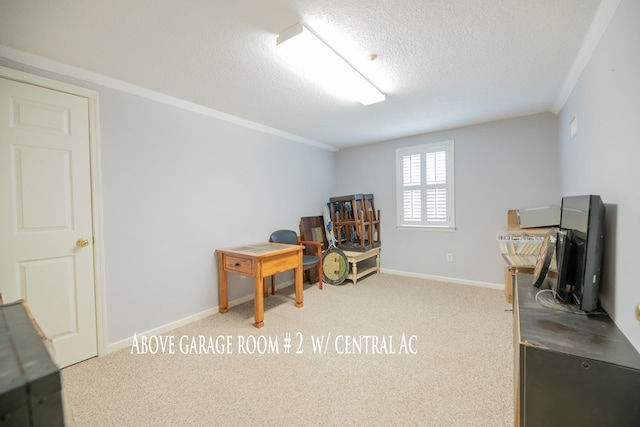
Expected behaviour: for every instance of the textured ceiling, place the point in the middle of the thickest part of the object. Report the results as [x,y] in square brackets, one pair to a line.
[441,63]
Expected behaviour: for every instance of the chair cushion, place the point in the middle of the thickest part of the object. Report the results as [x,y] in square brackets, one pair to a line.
[308,260]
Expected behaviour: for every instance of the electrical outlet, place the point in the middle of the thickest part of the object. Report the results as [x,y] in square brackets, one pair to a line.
[450,257]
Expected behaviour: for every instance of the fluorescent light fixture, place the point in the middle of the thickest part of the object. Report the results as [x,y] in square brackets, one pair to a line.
[322,64]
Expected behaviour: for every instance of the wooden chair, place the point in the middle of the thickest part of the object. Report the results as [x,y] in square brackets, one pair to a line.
[308,261]
[312,230]
[350,222]
[373,218]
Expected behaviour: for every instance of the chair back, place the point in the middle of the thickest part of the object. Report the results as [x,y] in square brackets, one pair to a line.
[288,237]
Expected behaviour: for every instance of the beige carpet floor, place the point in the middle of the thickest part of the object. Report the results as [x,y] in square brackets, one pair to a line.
[453,368]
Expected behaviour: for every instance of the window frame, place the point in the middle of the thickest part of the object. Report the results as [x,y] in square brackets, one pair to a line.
[423,223]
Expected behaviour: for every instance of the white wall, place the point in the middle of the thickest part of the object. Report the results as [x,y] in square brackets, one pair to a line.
[502,165]
[176,186]
[603,157]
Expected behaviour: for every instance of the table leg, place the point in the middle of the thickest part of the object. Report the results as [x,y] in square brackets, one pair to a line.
[299,281]
[258,304]
[223,296]
[354,271]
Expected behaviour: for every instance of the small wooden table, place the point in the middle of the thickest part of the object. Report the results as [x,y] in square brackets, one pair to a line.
[355,257]
[259,260]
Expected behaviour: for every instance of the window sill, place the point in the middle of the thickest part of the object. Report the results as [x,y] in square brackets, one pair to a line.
[424,228]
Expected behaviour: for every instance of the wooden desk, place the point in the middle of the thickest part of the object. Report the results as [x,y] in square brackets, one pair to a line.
[259,260]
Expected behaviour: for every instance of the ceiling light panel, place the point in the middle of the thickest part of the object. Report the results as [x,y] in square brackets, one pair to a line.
[317,61]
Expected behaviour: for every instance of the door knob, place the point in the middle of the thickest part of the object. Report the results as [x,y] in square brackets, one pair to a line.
[638,312]
[82,243]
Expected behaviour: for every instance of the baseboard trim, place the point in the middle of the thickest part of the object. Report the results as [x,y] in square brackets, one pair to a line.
[445,279]
[127,342]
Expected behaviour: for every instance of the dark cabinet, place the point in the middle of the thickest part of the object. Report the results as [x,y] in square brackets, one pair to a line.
[571,369]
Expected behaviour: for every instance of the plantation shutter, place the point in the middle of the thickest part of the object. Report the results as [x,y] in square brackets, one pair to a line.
[425,185]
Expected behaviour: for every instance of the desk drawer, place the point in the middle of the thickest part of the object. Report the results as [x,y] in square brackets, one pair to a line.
[240,265]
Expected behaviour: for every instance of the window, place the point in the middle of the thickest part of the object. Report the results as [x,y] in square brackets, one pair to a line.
[425,186]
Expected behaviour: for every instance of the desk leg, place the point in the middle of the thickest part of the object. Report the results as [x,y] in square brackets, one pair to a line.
[223,296]
[258,303]
[299,282]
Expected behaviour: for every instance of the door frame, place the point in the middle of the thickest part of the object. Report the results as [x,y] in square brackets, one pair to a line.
[96,188]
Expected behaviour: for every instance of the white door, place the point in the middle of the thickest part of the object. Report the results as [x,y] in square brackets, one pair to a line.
[46,250]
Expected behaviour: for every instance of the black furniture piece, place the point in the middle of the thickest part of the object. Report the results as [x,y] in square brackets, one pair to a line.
[30,387]
[570,369]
